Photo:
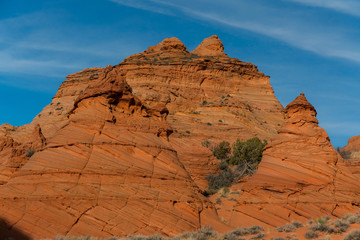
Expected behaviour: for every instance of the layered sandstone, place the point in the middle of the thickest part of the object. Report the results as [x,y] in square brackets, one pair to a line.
[300,177]
[118,150]
[210,96]
[108,170]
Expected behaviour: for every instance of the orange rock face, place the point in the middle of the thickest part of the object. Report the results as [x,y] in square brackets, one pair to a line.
[107,170]
[300,177]
[118,150]
[210,96]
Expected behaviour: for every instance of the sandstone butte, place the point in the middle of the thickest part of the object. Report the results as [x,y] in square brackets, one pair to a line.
[118,150]
[301,176]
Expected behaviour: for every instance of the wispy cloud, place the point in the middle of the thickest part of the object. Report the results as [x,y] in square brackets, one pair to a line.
[351,7]
[285,25]
[143,5]
[38,44]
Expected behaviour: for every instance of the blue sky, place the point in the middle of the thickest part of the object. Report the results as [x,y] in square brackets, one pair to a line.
[303,45]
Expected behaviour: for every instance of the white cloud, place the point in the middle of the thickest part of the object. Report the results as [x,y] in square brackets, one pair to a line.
[38,44]
[295,27]
[351,7]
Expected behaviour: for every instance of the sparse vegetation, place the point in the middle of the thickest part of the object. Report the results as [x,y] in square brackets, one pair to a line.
[222,150]
[30,152]
[354,235]
[311,235]
[225,178]
[245,155]
[206,143]
[318,230]
[286,228]
[343,153]
[204,103]
[341,226]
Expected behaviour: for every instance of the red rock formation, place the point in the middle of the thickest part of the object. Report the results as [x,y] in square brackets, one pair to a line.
[100,159]
[300,177]
[210,96]
[107,171]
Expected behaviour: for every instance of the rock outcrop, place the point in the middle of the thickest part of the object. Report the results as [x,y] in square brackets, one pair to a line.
[108,170]
[210,96]
[118,150]
[300,177]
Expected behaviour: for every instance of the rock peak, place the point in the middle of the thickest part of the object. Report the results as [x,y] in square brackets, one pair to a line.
[301,109]
[211,46]
[169,45]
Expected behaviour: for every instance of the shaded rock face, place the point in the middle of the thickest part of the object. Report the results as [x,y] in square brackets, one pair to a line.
[300,177]
[353,147]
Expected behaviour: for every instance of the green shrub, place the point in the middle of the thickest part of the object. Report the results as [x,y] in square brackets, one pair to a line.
[247,155]
[222,150]
[249,151]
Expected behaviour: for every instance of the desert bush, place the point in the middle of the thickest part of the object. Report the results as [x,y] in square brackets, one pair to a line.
[243,232]
[223,165]
[311,235]
[297,224]
[202,234]
[354,235]
[286,228]
[140,237]
[259,236]
[352,218]
[322,228]
[341,225]
[321,225]
[224,178]
[222,150]
[29,152]
[249,151]
[279,238]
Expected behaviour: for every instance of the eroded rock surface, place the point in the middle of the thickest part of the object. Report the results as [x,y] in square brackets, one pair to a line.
[108,170]
[118,150]
[210,96]
[300,177]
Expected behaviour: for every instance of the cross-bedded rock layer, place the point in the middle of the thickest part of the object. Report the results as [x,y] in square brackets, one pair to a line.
[300,177]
